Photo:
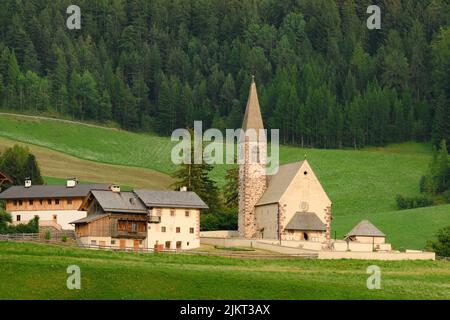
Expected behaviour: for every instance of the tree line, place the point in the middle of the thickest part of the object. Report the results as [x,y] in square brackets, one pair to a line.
[434,185]
[324,79]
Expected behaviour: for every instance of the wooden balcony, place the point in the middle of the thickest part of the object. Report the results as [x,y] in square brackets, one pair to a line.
[129,235]
[154,219]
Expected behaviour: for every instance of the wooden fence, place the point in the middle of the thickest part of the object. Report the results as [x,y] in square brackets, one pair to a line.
[19,237]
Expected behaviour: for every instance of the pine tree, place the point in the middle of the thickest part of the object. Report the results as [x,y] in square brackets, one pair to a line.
[196,177]
[231,190]
[443,168]
[32,170]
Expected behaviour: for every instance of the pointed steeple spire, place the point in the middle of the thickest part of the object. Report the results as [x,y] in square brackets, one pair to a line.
[252,117]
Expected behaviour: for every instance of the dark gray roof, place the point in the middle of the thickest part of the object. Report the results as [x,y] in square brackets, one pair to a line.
[365,228]
[50,191]
[126,202]
[306,221]
[171,199]
[278,183]
[90,218]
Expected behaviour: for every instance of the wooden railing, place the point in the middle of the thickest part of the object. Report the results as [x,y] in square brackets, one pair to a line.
[19,237]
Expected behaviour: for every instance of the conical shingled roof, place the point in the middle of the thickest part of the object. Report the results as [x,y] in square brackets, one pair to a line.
[252,117]
[365,228]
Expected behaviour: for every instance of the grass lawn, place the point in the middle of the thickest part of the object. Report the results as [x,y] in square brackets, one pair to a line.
[109,275]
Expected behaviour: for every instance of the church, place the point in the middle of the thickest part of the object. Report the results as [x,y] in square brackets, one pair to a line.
[289,205]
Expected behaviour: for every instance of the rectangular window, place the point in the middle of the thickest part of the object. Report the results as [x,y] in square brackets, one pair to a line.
[113,242]
[55,217]
[163,229]
[49,201]
[191,230]
[134,227]
[15,202]
[167,245]
[41,202]
[178,230]
[121,226]
[178,244]
[18,217]
[187,213]
[158,212]
[20,202]
[172,213]
[69,201]
[93,242]
[57,201]
[31,202]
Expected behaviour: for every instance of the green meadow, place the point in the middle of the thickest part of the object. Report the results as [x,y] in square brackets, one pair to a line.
[362,184]
[42,270]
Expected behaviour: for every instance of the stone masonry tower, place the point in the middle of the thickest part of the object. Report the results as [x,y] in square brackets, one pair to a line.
[252,174]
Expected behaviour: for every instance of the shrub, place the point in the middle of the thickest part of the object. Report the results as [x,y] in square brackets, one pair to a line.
[5,219]
[442,245]
[446,196]
[219,221]
[48,235]
[64,238]
[413,202]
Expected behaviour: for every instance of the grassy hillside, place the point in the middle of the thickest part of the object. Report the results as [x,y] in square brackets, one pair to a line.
[108,275]
[405,229]
[362,184]
[358,182]
[57,166]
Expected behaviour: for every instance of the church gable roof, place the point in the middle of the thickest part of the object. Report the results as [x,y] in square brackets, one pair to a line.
[365,228]
[306,221]
[252,117]
[278,183]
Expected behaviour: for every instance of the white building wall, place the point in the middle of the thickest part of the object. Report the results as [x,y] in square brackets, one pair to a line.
[109,242]
[63,217]
[305,188]
[188,240]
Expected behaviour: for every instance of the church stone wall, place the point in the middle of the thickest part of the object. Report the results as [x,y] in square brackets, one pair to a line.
[252,185]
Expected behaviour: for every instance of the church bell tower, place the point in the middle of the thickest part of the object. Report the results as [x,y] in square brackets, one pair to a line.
[252,168]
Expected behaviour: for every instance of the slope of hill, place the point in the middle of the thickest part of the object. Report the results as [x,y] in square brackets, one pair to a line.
[405,229]
[115,275]
[57,166]
[358,182]
[362,184]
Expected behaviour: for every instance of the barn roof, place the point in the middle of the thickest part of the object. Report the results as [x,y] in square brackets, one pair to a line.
[305,221]
[278,183]
[90,218]
[171,199]
[365,228]
[50,191]
[126,202]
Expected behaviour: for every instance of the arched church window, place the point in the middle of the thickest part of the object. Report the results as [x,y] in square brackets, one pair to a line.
[255,154]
